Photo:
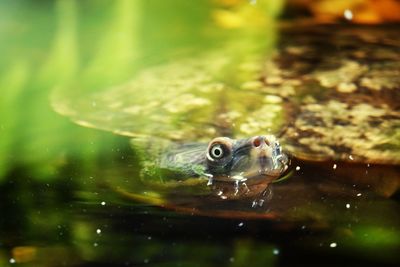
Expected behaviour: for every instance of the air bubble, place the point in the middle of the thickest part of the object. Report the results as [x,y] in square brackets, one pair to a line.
[348,14]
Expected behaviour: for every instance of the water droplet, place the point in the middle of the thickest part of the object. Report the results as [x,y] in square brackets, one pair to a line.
[359,194]
[98,231]
[348,206]
[231,259]
[95,244]
[333,245]
[149,237]
[334,166]
[348,14]
[12,260]
[351,157]
[297,168]
[275,251]
[240,224]
[103,203]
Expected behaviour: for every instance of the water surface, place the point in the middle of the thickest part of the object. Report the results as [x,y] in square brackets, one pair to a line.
[58,202]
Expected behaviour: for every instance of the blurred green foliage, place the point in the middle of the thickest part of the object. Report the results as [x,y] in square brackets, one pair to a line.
[90,45]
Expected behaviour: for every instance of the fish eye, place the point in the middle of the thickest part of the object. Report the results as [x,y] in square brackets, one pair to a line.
[219,148]
[217,151]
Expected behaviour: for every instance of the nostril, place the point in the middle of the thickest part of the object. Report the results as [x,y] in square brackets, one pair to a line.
[257,142]
[266,141]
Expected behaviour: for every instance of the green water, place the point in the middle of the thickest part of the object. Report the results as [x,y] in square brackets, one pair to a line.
[55,207]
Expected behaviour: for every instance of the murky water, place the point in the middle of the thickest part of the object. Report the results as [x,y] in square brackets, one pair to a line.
[72,196]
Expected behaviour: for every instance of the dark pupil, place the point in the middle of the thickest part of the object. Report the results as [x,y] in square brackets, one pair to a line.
[217,151]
